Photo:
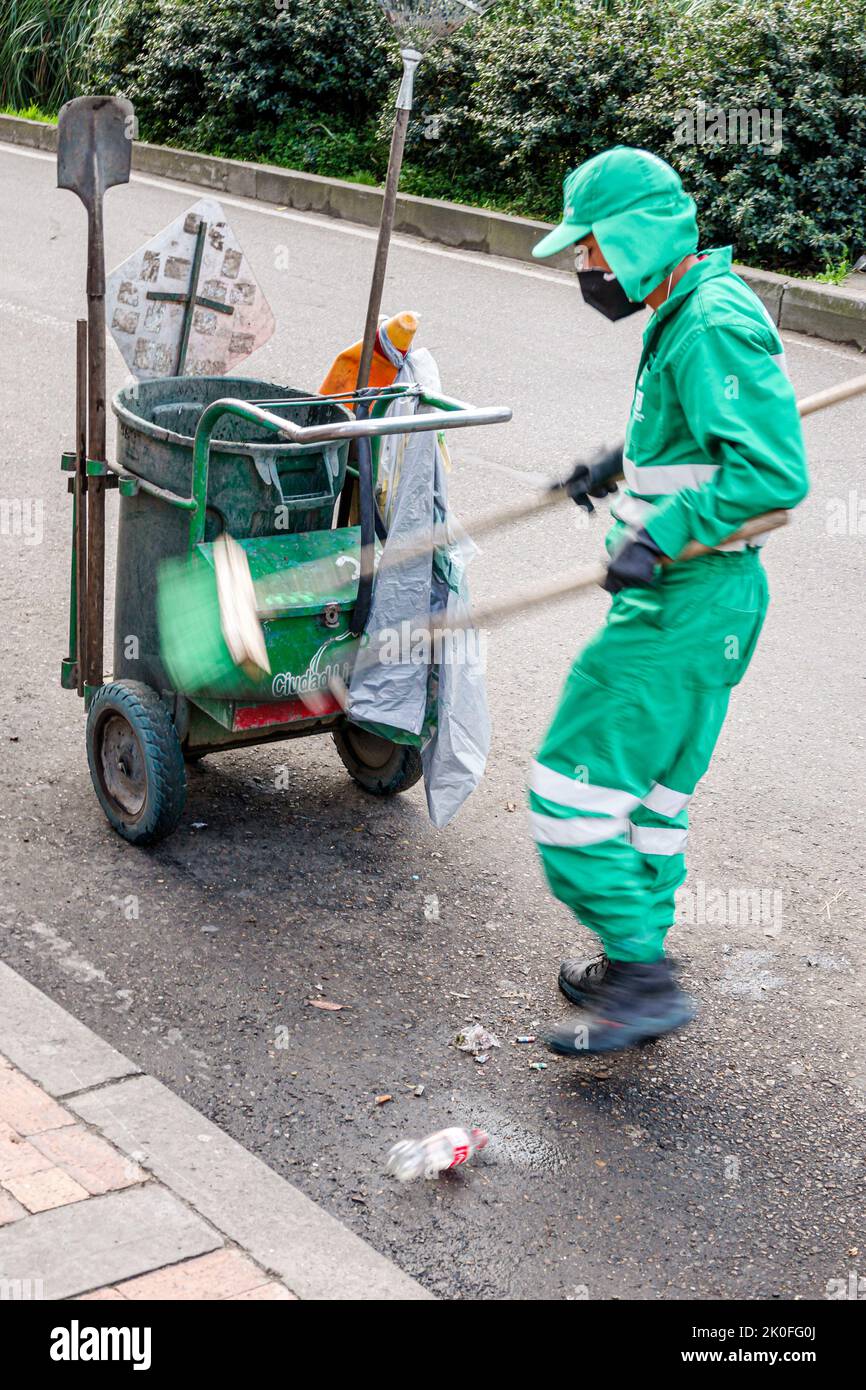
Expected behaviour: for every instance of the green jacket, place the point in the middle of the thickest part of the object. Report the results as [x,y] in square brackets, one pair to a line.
[714,436]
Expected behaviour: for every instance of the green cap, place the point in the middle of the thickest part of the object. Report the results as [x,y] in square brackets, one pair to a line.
[637,209]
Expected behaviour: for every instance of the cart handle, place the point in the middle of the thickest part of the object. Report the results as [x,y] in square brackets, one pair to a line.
[449,414]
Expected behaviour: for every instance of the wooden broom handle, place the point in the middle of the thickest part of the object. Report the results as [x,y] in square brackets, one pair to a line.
[595,574]
[518,511]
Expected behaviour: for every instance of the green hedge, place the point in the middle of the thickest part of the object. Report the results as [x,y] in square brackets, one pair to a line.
[514,100]
[555,84]
[300,84]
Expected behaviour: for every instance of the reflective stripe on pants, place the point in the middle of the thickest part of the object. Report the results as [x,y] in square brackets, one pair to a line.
[633,734]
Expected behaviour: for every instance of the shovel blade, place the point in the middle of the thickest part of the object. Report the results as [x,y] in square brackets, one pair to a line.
[94,145]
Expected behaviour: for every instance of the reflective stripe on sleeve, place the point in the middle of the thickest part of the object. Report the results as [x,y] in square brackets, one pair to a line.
[580,796]
[654,480]
[665,800]
[632,511]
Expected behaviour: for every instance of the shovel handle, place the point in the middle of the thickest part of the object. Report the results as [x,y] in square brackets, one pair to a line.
[81,652]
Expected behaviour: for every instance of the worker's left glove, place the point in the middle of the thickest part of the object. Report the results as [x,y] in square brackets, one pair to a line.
[634,566]
[597,478]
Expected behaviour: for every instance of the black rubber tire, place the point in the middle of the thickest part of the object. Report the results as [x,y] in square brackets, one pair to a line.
[136,762]
[376,764]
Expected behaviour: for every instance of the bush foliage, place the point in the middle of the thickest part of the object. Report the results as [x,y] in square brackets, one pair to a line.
[45,47]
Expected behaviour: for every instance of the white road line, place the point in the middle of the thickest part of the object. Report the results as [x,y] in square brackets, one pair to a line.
[35,316]
[851,354]
[68,960]
[328,224]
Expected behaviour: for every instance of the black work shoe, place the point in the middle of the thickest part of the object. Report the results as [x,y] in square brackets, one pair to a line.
[578,978]
[634,1001]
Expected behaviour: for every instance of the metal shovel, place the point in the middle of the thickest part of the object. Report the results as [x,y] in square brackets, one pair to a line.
[94,152]
[418,25]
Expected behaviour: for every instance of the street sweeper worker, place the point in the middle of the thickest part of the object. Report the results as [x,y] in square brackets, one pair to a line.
[713,439]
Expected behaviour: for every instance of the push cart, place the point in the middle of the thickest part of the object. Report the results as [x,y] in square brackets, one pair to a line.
[203,454]
[197,457]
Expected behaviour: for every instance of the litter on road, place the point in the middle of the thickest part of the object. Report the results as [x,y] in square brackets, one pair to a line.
[447,1148]
[477,1040]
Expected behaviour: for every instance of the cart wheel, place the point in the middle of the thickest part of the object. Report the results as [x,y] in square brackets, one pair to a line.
[377,764]
[135,761]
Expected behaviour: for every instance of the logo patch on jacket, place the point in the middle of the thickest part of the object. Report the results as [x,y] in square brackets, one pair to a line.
[637,407]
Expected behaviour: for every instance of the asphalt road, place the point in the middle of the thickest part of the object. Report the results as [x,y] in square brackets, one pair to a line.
[724,1162]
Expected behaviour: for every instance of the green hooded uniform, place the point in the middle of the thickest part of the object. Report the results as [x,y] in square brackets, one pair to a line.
[713,439]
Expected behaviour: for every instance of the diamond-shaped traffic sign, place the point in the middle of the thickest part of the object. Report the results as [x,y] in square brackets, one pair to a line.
[187,303]
[423,22]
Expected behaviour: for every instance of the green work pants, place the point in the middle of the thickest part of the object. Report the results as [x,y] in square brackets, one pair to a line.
[633,734]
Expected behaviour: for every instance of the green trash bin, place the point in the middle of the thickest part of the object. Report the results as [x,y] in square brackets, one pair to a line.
[256,488]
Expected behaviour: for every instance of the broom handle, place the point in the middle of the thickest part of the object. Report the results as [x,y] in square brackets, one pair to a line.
[572,583]
[566,587]
[595,574]
[504,516]
[832,395]
[500,517]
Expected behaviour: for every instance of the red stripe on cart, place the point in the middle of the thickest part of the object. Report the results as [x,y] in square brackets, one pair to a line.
[283,712]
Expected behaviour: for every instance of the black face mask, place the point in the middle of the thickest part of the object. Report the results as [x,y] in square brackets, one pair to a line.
[603,292]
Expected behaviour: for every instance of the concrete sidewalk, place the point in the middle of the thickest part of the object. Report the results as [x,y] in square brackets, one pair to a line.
[113,1188]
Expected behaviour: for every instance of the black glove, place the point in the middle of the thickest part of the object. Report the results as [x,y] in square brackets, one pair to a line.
[594,479]
[634,566]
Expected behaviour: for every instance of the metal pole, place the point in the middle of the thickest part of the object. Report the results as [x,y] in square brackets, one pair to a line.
[94,152]
[411,58]
[95,613]
[189,306]
[80,501]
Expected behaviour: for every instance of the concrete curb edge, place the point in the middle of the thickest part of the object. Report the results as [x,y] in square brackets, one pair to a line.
[836,313]
[312,1252]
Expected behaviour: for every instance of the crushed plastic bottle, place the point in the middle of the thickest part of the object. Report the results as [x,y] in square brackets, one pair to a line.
[447,1148]
[478,1040]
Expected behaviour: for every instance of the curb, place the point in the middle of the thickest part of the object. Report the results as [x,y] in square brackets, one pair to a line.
[313,1253]
[836,313]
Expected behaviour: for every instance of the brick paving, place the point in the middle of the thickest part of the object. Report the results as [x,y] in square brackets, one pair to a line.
[224,1274]
[49,1160]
